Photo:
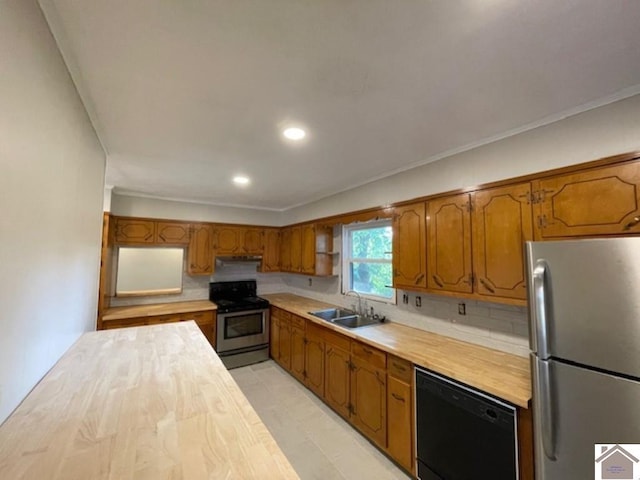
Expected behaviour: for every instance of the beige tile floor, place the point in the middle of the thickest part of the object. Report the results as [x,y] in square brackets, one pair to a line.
[318,443]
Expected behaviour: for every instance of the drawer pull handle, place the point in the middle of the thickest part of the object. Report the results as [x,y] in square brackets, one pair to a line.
[437,280]
[632,223]
[399,367]
[367,351]
[419,279]
[397,397]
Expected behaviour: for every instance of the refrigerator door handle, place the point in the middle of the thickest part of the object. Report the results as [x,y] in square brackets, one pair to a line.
[540,310]
[546,409]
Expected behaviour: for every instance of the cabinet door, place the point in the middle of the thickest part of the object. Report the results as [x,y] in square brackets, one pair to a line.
[449,244]
[200,255]
[285,250]
[297,353]
[228,240]
[369,400]
[400,435]
[271,254]
[409,255]
[501,222]
[601,201]
[314,364]
[336,379]
[253,241]
[274,336]
[285,344]
[135,232]
[296,249]
[308,249]
[172,233]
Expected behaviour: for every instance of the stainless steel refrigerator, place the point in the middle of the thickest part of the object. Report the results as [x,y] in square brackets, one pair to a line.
[584,311]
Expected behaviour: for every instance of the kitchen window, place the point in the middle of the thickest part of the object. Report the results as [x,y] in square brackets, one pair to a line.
[366,264]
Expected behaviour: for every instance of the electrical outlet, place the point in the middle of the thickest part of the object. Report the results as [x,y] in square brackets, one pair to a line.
[418,301]
[310,282]
[405,298]
[462,309]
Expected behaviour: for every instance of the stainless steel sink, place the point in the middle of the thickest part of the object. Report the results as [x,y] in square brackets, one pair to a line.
[331,314]
[345,318]
[356,321]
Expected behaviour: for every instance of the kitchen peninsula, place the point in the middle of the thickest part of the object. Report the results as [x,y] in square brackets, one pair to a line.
[146,402]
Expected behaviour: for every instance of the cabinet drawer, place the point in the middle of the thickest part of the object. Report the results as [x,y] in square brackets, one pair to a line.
[372,355]
[400,368]
[298,322]
[280,313]
[334,338]
[200,318]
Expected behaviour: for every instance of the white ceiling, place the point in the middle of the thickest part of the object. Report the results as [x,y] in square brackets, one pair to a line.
[184,94]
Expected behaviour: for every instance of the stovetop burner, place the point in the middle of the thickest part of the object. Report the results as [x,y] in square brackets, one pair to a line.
[236,296]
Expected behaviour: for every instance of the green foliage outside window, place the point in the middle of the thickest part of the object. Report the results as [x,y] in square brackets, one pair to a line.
[370,260]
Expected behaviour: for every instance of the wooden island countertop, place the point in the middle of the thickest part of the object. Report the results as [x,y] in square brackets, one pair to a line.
[151,402]
[501,374]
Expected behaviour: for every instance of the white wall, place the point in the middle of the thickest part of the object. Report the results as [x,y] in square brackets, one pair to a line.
[130,206]
[51,193]
[601,132]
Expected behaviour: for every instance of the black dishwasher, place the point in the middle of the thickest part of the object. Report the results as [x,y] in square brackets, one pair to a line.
[462,434]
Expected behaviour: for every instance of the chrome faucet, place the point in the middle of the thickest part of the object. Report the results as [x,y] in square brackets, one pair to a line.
[359,312]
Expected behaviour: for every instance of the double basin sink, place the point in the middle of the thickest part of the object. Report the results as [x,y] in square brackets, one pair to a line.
[345,318]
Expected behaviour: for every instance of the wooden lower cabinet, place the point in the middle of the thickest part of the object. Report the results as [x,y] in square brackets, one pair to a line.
[369,400]
[285,343]
[298,342]
[337,384]
[314,359]
[206,320]
[400,413]
[274,336]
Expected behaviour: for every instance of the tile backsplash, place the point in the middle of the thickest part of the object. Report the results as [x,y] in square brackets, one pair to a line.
[497,326]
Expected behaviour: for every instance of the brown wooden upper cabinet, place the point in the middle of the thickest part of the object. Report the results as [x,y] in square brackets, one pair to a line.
[502,222]
[306,249]
[271,254]
[409,247]
[230,240]
[599,201]
[449,244]
[133,231]
[200,255]
[173,233]
[285,250]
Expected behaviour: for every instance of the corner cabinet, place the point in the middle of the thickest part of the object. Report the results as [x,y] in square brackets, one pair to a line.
[409,246]
[306,249]
[200,255]
[598,201]
[271,254]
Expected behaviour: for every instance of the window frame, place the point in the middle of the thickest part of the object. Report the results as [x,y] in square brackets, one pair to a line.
[347,260]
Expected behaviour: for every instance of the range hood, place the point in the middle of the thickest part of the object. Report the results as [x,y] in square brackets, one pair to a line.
[229,260]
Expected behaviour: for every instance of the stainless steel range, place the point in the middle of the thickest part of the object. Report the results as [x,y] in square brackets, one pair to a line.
[243,323]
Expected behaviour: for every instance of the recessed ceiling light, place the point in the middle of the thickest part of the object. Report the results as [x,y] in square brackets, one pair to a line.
[294,133]
[241,180]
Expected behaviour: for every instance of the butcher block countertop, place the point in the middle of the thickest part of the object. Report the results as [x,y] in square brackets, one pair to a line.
[121,313]
[501,374]
[152,402]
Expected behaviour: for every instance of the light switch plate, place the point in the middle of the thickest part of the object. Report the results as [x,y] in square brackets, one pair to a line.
[462,309]
[418,301]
